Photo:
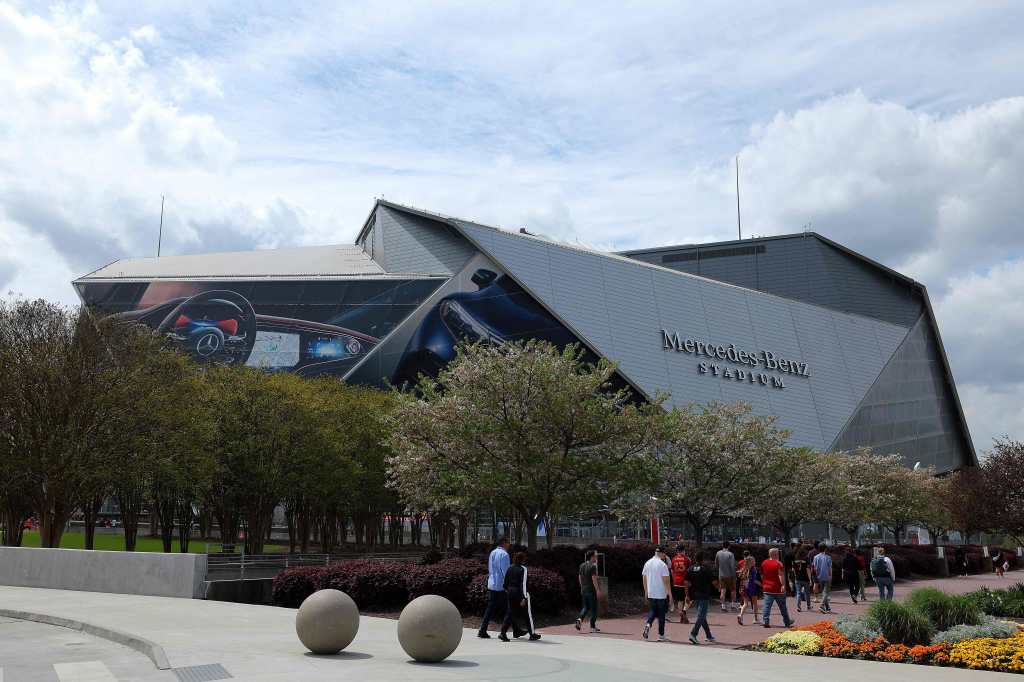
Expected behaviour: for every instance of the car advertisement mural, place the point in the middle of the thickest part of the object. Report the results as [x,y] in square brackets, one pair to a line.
[311,328]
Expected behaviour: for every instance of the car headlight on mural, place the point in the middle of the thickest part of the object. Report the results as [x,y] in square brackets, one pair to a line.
[463,326]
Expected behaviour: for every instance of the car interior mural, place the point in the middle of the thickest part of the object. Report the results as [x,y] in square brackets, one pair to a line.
[310,328]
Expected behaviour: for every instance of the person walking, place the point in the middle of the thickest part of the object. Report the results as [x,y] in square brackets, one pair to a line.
[725,562]
[750,587]
[862,573]
[589,591]
[497,598]
[960,558]
[773,577]
[680,565]
[801,578]
[823,574]
[815,586]
[657,590]
[851,571]
[518,601]
[701,580]
[884,575]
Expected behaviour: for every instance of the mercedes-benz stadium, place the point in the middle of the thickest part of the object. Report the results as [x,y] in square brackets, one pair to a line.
[844,351]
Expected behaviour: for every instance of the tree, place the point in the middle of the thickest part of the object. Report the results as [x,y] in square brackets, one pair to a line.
[938,504]
[534,427]
[903,494]
[973,511]
[62,386]
[712,461]
[793,489]
[1003,471]
[857,498]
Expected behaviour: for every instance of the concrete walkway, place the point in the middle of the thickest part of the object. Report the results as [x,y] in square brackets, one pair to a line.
[730,634]
[258,643]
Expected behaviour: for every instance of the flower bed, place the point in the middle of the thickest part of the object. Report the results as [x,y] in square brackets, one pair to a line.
[825,639]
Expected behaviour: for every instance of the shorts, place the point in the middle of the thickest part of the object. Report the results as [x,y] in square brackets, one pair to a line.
[727,583]
[678,592]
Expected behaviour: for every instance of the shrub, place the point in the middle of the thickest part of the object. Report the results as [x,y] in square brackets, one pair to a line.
[944,610]
[988,627]
[900,624]
[371,584]
[292,586]
[448,578]
[547,590]
[857,630]
[431,556]
[477,595]
[799,642]
[999,603]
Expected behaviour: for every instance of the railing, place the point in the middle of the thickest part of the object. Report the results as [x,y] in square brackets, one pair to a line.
[232,566]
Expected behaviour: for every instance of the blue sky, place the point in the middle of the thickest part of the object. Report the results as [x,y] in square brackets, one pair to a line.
[894,128]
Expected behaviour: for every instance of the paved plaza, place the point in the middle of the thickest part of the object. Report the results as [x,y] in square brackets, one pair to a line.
[204,640]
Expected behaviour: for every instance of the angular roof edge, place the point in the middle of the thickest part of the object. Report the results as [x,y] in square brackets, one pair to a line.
[455,223]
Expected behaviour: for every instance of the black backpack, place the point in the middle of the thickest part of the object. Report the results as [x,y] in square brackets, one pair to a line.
[878,567]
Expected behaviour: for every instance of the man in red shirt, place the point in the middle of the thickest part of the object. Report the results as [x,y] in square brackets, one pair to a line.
[773,576]
[680,592]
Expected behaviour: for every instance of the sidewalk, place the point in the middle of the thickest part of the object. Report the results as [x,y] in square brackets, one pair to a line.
[258,643]
[730,634]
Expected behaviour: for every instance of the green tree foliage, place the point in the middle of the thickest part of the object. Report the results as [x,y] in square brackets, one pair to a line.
[534,427]
[859,496]
[793,488]
[714,460]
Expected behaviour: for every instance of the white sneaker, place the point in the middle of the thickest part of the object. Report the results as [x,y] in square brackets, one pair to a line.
[662,638]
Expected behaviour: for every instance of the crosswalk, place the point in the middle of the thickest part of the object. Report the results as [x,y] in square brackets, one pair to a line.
[82,671]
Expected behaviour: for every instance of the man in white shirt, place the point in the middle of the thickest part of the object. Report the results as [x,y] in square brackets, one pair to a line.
[658,591]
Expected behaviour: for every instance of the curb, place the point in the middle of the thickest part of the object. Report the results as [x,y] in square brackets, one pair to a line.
[152,650]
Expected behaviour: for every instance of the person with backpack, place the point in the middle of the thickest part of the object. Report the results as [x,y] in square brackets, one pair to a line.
[589,591]
[884,575]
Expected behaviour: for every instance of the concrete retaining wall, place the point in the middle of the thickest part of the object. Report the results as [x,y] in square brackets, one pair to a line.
[149,573]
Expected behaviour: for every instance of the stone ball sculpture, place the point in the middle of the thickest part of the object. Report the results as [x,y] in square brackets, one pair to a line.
[327,622]
[430,628]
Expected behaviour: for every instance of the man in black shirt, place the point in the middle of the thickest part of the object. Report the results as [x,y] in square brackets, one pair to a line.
[701,578]
[589,591]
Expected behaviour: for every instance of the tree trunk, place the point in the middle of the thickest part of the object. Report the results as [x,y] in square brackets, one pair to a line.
[185,518]
[853,532]
[532,524]
[130,502]
[52,519]
[90,514]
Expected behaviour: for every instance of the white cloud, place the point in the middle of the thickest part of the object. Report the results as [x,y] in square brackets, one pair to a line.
[896,130]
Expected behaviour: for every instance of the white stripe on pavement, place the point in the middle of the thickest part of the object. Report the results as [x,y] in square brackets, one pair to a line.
[86,671]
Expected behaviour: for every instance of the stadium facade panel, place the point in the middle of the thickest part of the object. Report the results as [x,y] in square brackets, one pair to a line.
[844,351]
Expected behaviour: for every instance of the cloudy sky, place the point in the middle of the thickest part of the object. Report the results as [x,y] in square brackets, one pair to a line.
[894,128]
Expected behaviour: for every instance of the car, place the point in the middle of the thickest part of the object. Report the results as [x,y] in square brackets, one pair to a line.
[499,311]
[222,326]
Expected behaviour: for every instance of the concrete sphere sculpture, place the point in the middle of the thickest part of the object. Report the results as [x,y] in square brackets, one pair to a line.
[430,628]
[327,622]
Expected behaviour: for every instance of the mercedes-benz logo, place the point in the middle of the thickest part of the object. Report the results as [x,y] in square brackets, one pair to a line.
[208,344]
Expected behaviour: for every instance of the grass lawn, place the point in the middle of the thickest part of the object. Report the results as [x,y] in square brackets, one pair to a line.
[115,542]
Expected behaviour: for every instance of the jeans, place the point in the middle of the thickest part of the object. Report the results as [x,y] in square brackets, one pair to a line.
[885,587]
[780,599]
[497,600]
[702,618]
[860,583]
[659,607]
[589,606]
[826,593]
[803,591]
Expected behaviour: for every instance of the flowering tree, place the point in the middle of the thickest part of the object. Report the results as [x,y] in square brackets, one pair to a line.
[904,498]
[858,497]
[795,486]
[713,461]
[531,426]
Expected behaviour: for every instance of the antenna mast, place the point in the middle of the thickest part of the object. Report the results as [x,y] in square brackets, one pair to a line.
[739,225]
[160,237]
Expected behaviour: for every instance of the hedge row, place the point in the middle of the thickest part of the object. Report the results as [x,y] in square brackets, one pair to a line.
[384,585]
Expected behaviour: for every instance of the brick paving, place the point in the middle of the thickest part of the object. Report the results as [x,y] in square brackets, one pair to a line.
[730,634]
